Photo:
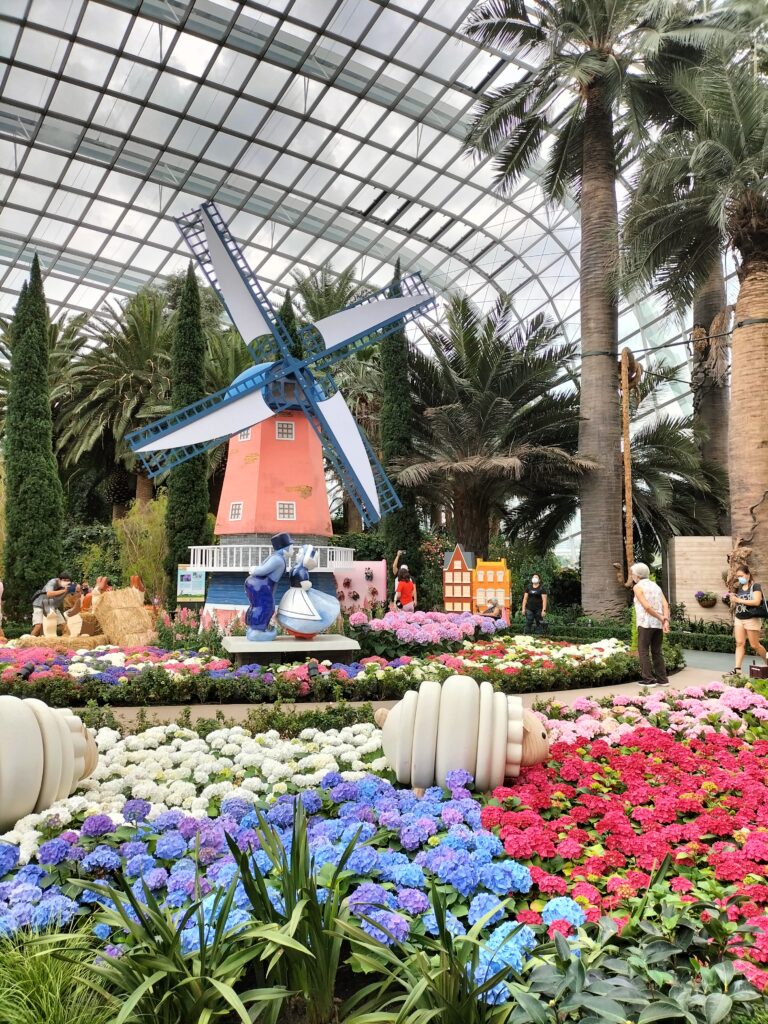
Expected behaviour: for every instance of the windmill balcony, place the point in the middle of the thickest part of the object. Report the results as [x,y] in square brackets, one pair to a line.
[231,557]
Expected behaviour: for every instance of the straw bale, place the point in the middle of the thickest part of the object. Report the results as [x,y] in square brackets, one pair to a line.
[91,625]
[63,643]
[124,619]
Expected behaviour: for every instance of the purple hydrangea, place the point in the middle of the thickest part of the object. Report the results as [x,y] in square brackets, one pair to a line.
[391,928]
[368,896]
[412,901]
[167,820]
[97,825]
[54,851]
[136,810]
[311,801]
[156,879]
[457,779]
[236,807]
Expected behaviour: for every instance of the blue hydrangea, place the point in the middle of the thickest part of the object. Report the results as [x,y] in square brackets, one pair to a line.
[488,841]
[235,807]
[281,815]
[170,846]
[133,848]
[167,820]
[102,931]
[156,879]
[54,851]
[331,779]
[563,908]
[452,924]
[185,866]
[31,873]
[409,876]
[9,923]
[138,866]
[369,896]
[362,830]
[362,861]
[55,910]
[311,801]
[261,862]
[485,970]
[483,904]
[9,858]
[276,899]
[505,877]
[344,791]
[25,892]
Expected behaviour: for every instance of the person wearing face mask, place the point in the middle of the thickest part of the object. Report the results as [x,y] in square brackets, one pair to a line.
[652,613]
[534,606]
[749,611]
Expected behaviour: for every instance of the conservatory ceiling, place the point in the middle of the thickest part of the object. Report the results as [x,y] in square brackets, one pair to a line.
[326,130]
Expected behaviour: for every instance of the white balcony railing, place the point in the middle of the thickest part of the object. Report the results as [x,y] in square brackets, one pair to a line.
[234,557]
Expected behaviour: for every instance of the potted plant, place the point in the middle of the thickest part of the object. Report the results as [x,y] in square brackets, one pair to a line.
[706,598]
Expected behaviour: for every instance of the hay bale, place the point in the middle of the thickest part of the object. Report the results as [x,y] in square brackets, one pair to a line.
[63,643]
[91,625]
[124,619]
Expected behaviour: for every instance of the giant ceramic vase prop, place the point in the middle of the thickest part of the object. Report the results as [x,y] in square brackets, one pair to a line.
[44,755]
[260,590]
[460,724]
[304,611]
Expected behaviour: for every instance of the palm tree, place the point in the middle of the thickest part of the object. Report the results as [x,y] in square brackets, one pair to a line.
[699,189]
[493,404]
[122,380]
[675,491]
[324,291]
[592,89]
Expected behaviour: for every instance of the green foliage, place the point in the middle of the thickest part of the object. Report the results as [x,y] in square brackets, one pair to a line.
[34,498]
[92,551]
[430,581]
[144,545]
[523,560]
[186,517]
[288,316]
[38,988]
[368,546]
[309,964]
[155,979]
[400,528]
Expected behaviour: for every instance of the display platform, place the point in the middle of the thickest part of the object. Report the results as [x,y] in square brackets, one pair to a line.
[287,648]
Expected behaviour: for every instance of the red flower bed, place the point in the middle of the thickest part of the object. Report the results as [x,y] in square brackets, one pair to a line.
[598,819]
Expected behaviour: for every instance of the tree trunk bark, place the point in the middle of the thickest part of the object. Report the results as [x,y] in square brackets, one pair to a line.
[353,521]
[119,511]
[602,537]
[472,523]
[145,489]
[748,442]
[710,394]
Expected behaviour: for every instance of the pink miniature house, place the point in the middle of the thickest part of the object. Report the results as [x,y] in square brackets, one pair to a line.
[275,481]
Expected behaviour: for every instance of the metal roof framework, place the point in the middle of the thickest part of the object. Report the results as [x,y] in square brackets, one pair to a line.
[323,129]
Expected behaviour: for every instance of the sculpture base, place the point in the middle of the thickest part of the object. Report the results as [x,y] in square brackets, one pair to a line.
[288,648]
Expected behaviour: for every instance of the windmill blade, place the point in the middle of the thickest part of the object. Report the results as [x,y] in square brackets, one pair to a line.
[157,463]
[219,415]
[369,320]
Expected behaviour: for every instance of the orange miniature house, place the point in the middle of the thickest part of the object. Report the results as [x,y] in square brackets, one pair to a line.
[491,581]
[275,481]
[457,580]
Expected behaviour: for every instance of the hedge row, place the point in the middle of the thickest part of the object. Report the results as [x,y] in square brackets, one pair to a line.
[154,686]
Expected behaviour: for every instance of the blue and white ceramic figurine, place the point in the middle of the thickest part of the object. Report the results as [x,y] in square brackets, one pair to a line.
[260,590]
[303,611]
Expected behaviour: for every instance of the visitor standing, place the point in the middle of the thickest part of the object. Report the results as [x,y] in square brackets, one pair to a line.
[51,599]
[405,590]
[535,605]
[652,613]
[749,607]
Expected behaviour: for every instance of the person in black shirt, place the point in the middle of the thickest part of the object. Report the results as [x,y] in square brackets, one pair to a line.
[535,605]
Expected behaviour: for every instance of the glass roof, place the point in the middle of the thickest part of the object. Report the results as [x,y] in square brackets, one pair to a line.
[324,129]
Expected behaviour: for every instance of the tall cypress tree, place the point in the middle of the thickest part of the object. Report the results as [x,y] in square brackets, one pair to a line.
[401,528]
[34,512]
[186,520]
[288,316]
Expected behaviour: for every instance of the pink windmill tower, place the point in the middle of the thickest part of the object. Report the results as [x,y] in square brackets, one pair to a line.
[274,483]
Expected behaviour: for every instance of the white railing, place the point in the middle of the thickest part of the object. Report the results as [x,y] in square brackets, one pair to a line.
[226,557]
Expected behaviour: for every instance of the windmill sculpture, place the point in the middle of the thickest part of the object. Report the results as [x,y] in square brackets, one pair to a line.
[278,379]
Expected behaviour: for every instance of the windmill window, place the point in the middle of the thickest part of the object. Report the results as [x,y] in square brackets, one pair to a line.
[235,511]
[244,435]
[286,510]
[285,430]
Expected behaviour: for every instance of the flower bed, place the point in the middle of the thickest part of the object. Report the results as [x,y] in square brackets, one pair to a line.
[570,842]
[147,676]
[397,633]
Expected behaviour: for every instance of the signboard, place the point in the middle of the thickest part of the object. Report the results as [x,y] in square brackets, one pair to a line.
[190,583]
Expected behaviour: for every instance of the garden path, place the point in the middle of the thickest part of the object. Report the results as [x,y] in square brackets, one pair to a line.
[701,667]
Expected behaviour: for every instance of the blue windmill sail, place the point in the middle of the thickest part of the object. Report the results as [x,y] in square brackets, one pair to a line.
[278,380]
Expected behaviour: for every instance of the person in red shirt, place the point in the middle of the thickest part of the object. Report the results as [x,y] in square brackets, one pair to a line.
[405,590]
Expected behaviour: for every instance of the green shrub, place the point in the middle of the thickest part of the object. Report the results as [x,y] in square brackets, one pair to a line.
[37,987]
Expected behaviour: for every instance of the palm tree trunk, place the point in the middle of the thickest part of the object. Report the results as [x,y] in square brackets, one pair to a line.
[602,541]
[710,394]
[145,489]
[353,521]
[472,522]
[748,442]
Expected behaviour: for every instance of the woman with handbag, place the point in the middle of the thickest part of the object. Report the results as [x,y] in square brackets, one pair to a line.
[749,608]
